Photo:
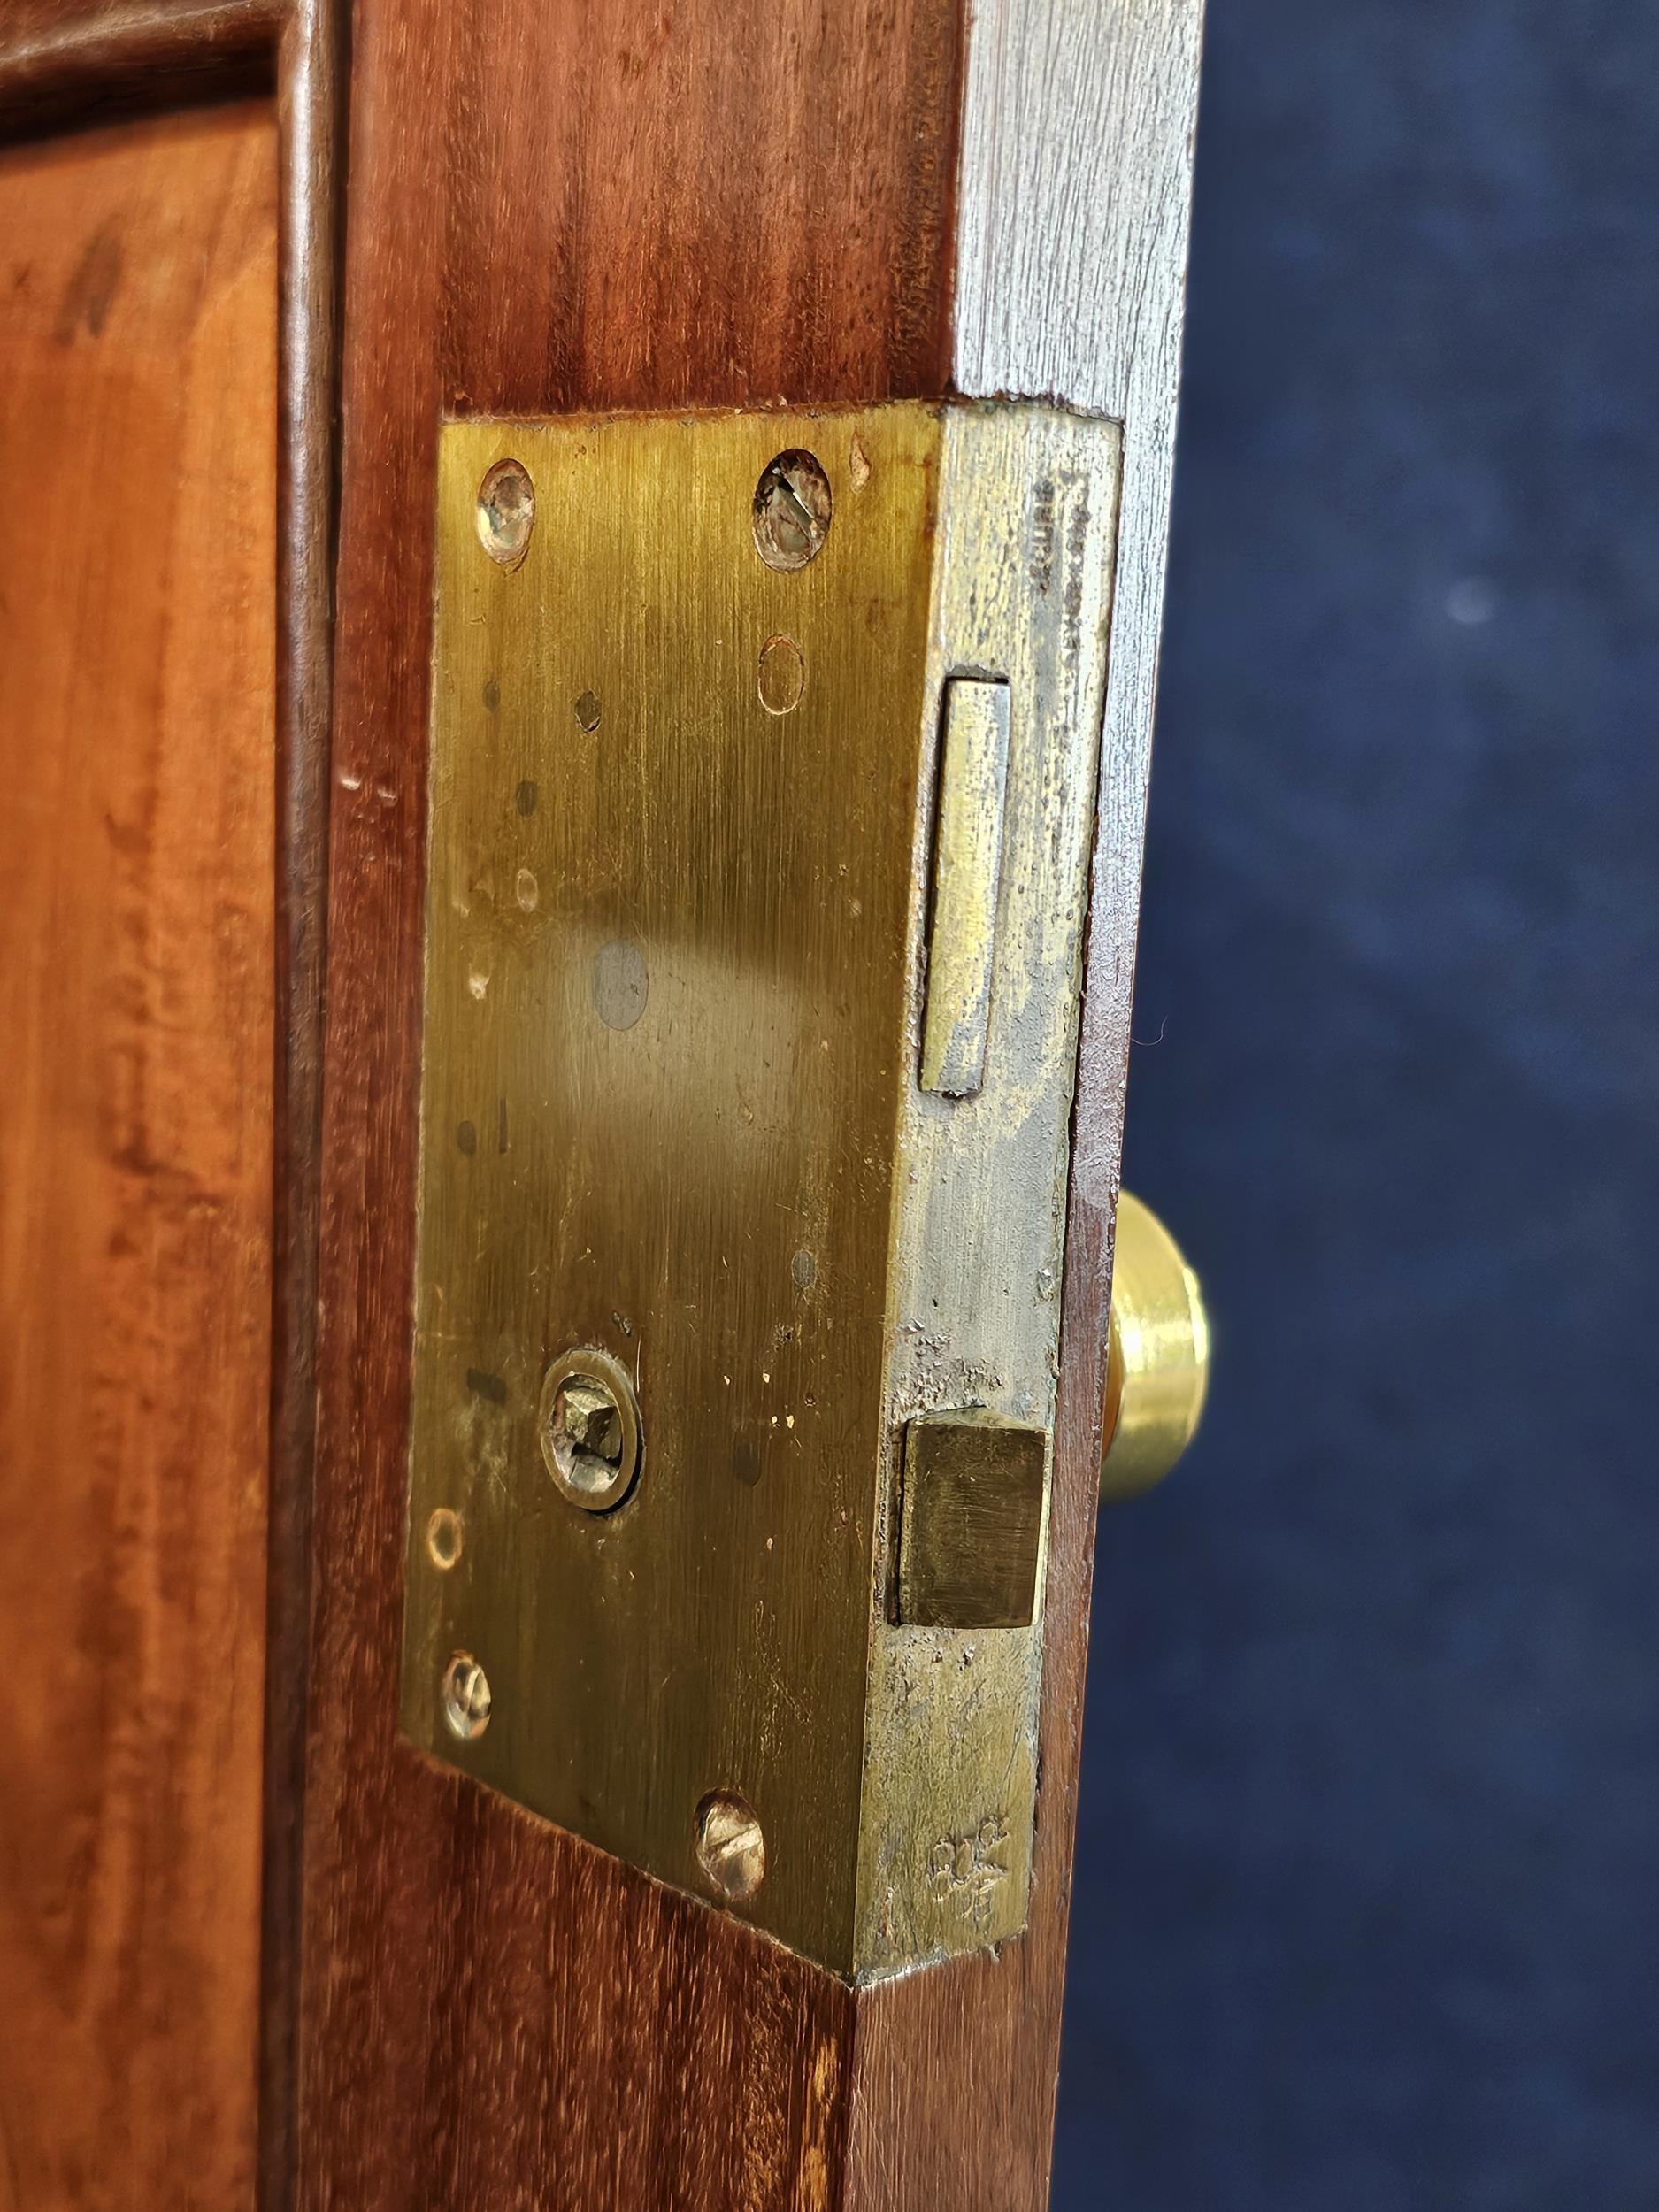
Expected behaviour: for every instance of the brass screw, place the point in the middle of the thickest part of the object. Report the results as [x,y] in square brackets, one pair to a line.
[590,1429]
[730,1849]
[506,512]
[586,1417]
[465,1697]
[792,510]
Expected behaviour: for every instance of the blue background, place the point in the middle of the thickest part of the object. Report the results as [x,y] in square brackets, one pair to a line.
[1368,1883]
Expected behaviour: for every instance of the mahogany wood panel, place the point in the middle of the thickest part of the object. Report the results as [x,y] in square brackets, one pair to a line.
[138,353]
[551,207]
[557,207]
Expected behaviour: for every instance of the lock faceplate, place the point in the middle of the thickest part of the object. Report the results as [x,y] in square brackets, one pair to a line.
[682,883]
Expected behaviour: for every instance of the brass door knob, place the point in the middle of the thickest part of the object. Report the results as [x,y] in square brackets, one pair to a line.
[1157,1365]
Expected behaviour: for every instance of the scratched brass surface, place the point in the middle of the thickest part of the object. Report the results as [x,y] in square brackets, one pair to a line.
[666,1005]
[679,855]
[1023,577]
[967,877]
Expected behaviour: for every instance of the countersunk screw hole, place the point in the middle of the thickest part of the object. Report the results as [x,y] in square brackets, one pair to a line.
[589,1422]
[506,512]
[443,1539]
[792,510]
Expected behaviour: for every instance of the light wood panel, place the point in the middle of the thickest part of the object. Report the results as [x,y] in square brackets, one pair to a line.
[138,339]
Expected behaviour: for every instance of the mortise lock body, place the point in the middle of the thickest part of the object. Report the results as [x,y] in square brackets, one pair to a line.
[762,797]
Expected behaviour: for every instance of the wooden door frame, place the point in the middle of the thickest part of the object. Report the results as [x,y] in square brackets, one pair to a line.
[938,2086]
[696,207]
[73,65]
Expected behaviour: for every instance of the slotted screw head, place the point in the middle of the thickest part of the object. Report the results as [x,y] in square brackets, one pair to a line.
[731,1849]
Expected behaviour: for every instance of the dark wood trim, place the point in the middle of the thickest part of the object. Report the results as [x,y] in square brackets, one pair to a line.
[311,106]
[94,65]
[100,63]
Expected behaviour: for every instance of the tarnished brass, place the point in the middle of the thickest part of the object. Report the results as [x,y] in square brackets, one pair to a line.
[1157,1368]
[588,1424]
[967,876]
[971,1522]
[678,903]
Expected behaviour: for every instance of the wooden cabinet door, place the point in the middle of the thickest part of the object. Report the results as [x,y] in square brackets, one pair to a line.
[137,1003]
[256,1942]
[166,438]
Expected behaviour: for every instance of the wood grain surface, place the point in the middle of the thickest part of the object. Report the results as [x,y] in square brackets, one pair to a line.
[311,102]
[86,61]
[137,473]
[554,208]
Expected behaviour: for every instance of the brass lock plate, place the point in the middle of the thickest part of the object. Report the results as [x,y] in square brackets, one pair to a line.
[701,827]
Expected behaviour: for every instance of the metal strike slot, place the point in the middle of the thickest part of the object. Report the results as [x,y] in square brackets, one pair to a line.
[967,874]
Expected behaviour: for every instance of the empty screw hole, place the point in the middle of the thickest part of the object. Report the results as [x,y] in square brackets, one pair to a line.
[443,1539]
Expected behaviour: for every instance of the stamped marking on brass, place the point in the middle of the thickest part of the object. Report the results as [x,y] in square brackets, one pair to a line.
[966,1871]
[781,675]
